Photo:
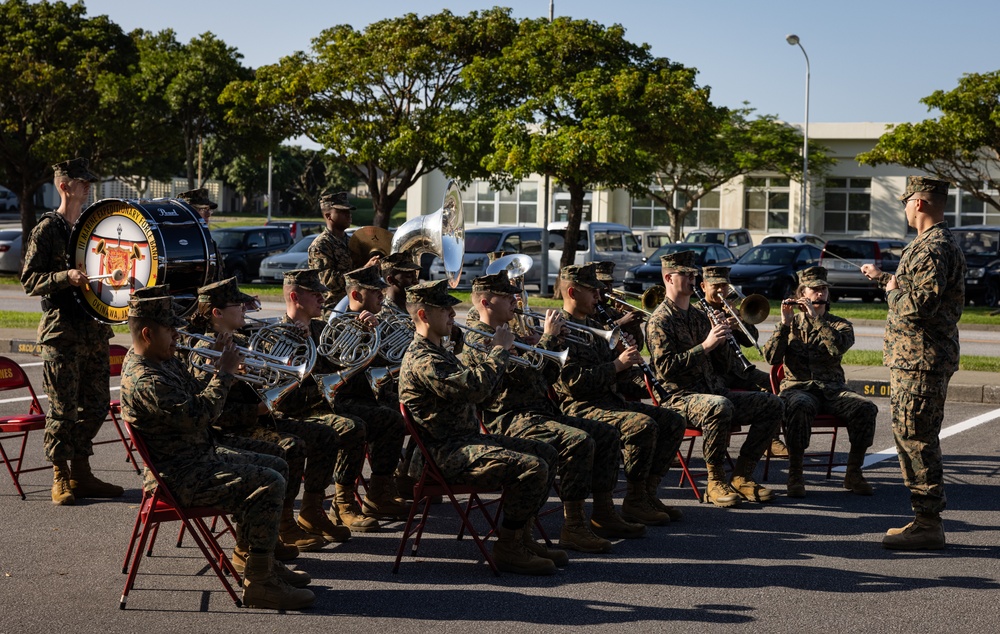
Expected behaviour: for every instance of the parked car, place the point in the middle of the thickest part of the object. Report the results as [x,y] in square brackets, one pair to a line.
[9,200]
[243,248]
[807,238]
[653,240]
[981,246]
[639,278]
[770,269]
[845,277]
[482,241]
[273,268]
[299,229]
[598,241]
[736,240]
[10,250]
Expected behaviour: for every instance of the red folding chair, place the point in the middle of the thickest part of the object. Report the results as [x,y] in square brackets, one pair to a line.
[160,506]
[115,406]
[822,425]
[432,483]
[12,377]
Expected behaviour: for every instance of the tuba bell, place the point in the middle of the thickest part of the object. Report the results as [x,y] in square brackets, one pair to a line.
[441,233]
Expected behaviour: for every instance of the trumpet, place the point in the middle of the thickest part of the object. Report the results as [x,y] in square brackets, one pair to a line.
[578,333]
[619,298]
[534,358]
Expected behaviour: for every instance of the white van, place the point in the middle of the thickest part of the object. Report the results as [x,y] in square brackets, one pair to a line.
[653,240]
[597,241]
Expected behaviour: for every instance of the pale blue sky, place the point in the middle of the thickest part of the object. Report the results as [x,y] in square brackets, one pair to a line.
[871,60]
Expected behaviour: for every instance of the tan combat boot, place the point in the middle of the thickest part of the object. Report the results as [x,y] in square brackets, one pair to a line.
[346,512]
[717,490]
[925,532]
[854,480]
[263,588]
[636,507]
[86,485]
[796,484]
[744,483]
[652,494]
[778,448]
[314,521]
[291,534]
[606,522]
[576,533]
[294,578]
[62,492]
[559,557]
[511,555]
[381,499]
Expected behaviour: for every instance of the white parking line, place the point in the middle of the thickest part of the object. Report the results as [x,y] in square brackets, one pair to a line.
[41,397]
[957,428]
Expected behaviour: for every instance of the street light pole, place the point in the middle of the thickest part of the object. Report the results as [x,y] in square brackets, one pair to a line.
[793,40]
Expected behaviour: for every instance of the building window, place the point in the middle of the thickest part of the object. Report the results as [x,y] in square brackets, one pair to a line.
[483,205]
[847,205]
[648,212]
[765,203]
[965,209]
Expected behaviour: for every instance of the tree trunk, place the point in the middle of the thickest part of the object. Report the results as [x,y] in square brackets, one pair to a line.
[572,232]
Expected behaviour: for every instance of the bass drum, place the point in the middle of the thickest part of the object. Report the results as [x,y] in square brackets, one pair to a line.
[161,241]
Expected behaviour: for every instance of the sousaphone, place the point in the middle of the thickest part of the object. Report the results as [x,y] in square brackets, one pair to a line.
[441,233]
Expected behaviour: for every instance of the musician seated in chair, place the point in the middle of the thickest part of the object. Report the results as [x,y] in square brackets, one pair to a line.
[441,394]
[590,386]
[811,342]
[173,412]
[693,354]
[521,408]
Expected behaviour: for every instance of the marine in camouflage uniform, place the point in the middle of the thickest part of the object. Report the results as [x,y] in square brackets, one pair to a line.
[627,322]
[328,253]
[441,395]
[199,200]
[520,407]
[76,372]
[173,412]
[811,344]
[925,300]
[676,335]
[590,386]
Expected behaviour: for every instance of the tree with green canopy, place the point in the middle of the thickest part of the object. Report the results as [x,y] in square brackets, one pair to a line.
[961,145]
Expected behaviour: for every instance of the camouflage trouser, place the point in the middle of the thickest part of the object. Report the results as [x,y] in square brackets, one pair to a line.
[520,467]
[577,462]
[384,432]
[319,444]
[77,380]
[917,401]
[650,435]
[349,443]
[802,406]
[239,484]
[289,448]
[716,416]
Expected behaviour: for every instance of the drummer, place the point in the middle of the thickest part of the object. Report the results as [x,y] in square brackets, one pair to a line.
[76,373]
[199,200]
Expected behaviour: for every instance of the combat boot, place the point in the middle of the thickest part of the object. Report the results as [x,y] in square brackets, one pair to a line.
[925,532]
[559,557]
[744,483]
[381,500]
[404,486]
[606,522]
[778,448]
[652,494]
[346,512]
[314,521]
[291,534]
[511,555]
[86,485]
[717,490]
[263,588]
[854,480]
[62,492]
[796,484]
[294,578]
[576,533]
[636,507]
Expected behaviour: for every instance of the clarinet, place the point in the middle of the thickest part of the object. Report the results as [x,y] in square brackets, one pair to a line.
[730,339]
[661,391]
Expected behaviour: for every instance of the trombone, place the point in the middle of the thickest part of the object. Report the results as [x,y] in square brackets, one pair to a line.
[578,333]
[753,310]
[619,297]
[534,358]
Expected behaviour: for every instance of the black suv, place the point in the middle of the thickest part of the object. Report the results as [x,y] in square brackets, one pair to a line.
[981,246]
[845,277]
[243,248]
